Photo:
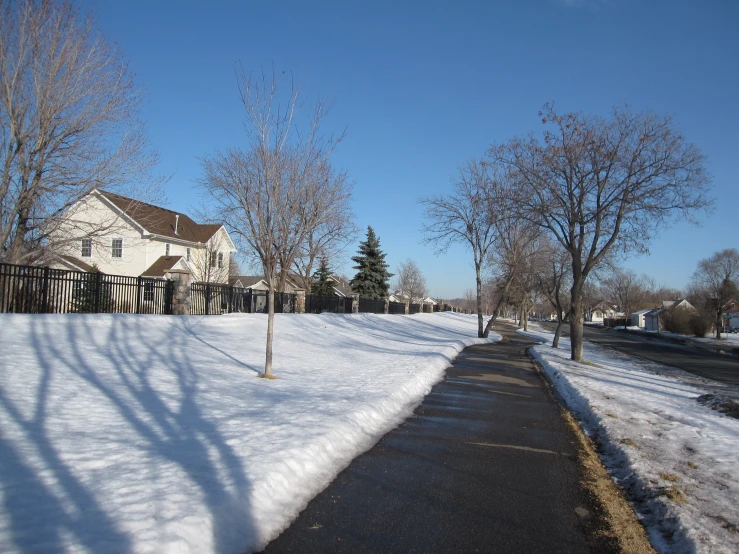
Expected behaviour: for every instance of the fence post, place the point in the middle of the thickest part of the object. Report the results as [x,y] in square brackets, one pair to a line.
[386,309]
[98,291]
[45,292]
[407,307]
[300,301]
[355,303]
[181,295]
[139,285]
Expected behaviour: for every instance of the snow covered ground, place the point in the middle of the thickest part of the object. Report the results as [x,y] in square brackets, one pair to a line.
[125,433]
[677,459]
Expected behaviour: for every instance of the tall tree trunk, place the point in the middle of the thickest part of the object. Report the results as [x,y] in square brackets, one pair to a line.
[576,319]
[478,277]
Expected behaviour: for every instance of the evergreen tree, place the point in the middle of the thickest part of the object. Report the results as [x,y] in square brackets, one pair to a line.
[323,284]
[371,280]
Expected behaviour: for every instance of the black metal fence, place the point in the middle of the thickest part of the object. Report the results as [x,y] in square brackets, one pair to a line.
[367,305]
[415,308]
[212,299]
[38,290]
[319,303]
[396,308]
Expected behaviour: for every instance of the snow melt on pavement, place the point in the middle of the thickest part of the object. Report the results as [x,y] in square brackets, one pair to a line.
[125,433]
[677,460]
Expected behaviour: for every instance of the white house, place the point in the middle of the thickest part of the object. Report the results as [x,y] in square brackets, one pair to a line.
[122,236]
[654,319]
[638,318]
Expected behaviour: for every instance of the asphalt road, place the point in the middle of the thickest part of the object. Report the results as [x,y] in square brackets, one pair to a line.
[699,361]
[486,464]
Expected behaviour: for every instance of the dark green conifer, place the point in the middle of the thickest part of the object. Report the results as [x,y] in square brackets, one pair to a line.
[322,284]
[371,280]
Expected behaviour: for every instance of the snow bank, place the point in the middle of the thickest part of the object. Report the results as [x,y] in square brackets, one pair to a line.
[125,433]
[677,460]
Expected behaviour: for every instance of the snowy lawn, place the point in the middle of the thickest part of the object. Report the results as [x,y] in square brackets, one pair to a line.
[125,433]
[677,460]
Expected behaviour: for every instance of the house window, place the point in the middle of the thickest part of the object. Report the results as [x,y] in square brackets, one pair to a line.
[188,255]
[116,250]
[220,260]
[213,259]
[86,248]
[166,249]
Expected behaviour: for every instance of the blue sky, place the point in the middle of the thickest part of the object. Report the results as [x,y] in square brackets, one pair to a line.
[422,86]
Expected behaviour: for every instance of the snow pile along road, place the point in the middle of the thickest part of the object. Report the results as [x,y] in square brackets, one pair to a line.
[677,459]
[125,433]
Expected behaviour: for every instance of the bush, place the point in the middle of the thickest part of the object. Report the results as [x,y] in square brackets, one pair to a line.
[679,321]
[699,326]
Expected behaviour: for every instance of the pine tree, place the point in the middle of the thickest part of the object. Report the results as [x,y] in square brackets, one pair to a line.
[371,280]
[323,284]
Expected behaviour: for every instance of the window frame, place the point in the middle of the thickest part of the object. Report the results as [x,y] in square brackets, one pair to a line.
[113,248]
[84,247]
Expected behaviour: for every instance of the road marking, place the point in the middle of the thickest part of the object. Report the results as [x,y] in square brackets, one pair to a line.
[527,448]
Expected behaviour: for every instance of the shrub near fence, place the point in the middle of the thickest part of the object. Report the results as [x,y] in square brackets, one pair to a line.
[30,289]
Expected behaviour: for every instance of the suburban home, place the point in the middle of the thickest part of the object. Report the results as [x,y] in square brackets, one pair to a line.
[599,312]
[731,314]
[654,319]
[258,282]
[637,318]
[122,236]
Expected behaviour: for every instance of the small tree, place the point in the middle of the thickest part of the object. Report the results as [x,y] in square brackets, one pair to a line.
[372,278]
[465,217]
[322,284]
[717,278]
[552,276]
[410,282]
[267,192]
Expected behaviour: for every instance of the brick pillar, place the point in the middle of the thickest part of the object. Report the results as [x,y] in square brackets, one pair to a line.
[386,310]
[355,303]
[181,298]
[300,301]
[407,307]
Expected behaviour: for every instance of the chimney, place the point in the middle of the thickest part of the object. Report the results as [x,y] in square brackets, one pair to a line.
[176,222]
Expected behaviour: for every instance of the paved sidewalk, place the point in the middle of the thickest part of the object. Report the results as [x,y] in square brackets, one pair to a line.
[486,464]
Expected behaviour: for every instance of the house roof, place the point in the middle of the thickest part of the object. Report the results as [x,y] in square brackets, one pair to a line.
[245,281]
[161,266]
[75,263]
[161,221]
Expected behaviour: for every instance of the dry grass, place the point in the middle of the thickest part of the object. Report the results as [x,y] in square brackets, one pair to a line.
[629,442]
[691,465]
[669,477]
[675,494]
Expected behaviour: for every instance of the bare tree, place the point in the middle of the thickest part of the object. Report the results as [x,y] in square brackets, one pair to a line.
[553,272]
[507,260]
[68,124]
[267,192]
[410,282]
[627,289]
[464,217]
[337,229]
[592,183]
[212,263]
[717,278]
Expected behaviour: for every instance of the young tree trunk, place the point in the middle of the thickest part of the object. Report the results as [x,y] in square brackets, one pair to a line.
[478,277]
[558,331]
[270,331]
[719,322]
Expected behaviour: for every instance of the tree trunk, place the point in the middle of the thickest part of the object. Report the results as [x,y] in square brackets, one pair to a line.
[270,331]
[558,331]
[576,321]
[719,322]
[478,277]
